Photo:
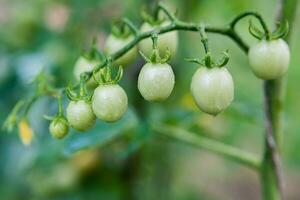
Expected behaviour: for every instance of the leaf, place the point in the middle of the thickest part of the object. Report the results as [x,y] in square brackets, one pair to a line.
[25,132]
[101,134]
[12,119]
[139,137]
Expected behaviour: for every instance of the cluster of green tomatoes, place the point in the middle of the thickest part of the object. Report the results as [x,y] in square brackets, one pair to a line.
[211,86]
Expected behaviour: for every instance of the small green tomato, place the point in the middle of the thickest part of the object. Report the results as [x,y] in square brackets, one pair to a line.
[80,115]
[269,59]
[212,89]
[84,65]
[156,81]
[114,44]
[109,102]
[165,41]
[59,128]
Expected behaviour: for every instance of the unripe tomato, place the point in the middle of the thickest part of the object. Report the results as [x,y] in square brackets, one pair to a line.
[165,41]
[114,44]
[80,115]
[84,65]
[212,89]
[59,128]
[269,59]
[109,102]
[156,81]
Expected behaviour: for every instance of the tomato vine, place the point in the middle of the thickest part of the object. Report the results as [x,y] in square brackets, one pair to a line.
[109,91]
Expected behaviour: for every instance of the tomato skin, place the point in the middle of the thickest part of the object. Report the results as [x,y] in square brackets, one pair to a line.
[84,65]
[165,41]
[269,59]
[156,81]
[109,102]
[113,44]
[59,128]
[80,115]
[212,89]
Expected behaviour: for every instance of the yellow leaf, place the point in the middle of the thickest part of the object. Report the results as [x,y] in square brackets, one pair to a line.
[188,102]
[25,132]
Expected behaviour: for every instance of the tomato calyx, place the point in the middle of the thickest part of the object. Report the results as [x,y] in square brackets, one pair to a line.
[209,62]
[153,20]
[93,53]
[155,56]
[106,77]
[58,119]
[280,32]
[120,30]
[82,94]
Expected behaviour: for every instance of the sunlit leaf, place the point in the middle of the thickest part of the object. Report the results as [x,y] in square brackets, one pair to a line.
[25,132]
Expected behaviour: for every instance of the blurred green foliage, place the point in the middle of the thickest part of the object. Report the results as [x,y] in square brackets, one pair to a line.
[126,160]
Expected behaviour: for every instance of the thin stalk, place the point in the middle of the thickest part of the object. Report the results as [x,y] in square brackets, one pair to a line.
[257,16]
[217,147]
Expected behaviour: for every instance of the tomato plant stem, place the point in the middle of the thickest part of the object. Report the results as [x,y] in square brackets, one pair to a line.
[209,144]
[271,177]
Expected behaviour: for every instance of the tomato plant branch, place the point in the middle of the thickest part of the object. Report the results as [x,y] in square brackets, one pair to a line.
[254,14]
[233,153]
[271,175]
[179,25]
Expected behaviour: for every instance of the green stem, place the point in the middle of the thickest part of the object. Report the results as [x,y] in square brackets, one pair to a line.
[271,178]
[233,153]
[204,38]
[170,15]
[60,106]
[180,26]
[257,16]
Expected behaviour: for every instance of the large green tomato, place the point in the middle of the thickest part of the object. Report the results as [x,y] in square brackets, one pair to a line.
[156,81]
[114,44]
[84,65]
[80,115]
[109,102]
[59,128]
[269,59]
[165,41]
[212,89]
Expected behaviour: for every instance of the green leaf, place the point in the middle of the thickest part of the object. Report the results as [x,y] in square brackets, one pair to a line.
[102,134]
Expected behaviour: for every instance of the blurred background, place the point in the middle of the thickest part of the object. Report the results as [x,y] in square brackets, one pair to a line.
[126,160]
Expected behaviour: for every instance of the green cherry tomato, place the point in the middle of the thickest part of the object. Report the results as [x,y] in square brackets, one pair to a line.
[212,89]
[165,41]
[80,115]
[84,65]
[269,59]
[109,102]
[156,81]
[59,128]
[114,44]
